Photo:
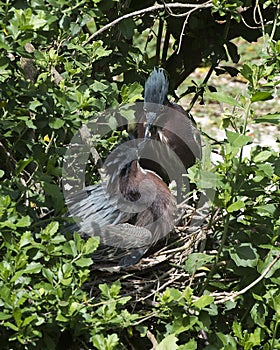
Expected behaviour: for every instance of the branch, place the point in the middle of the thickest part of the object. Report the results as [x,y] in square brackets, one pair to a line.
[187,14]
[152,339]
[146,10]
[244,290]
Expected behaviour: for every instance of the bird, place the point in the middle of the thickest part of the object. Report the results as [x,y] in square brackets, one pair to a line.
[130,210]
[167,123]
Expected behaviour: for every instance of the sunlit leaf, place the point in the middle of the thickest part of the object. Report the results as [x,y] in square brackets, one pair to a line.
[261,96]
[223,98]
[269,118]
[236,206]
[203,301]
[169,342]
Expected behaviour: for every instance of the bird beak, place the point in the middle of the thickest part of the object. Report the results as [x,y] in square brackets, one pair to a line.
[150,117]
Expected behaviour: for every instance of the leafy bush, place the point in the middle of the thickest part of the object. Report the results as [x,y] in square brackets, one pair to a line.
[53,78]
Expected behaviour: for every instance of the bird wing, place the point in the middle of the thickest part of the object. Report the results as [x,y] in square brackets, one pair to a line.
[122,244]
[92,208]
[125,236]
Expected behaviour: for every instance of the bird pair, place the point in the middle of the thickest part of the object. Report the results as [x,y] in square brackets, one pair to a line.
[133,208]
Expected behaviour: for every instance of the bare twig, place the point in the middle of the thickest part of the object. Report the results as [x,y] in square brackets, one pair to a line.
[8,161]
[212,68]
[274,27]
[187,14]
[152,339]
[251,285]
[156,7]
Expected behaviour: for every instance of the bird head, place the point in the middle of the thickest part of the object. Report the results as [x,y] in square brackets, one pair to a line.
[155,96]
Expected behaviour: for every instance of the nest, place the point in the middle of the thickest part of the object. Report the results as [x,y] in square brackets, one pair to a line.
[163,265]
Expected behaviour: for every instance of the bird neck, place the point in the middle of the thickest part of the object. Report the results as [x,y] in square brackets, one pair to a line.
[130,169]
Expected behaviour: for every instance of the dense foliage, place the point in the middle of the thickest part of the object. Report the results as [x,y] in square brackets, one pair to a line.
[54,76]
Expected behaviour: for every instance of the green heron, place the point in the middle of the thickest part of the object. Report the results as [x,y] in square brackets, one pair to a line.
[130,211]
[167,123]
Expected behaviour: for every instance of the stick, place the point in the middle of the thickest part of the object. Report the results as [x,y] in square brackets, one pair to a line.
[244,290]
[146,10]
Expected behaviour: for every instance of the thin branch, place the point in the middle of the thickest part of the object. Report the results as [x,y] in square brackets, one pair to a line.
[165,46]
[251,285]
[146,10]
[159,38]
[152,339]
[8,161]
[212,68]
[275,21]
[187,14]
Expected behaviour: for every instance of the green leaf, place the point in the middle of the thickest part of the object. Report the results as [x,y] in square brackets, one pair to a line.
[277,167]
[105,343]
[128,114]
[266,210]
[4,316]
[261,96]
[262,156]
[269,118]
[112,340]
[25,221]
[131,93]
[73,308]
[237,140]
[4,44]
[105,290]
[244,255]
[26,239]
[207,179]
[203,301]
[197,260]
[110,292]
[84,262]
[190,345]
[171,294]
[233,51]
[99,50]
[91,26]
[28,320]
[91,245]
[57,123]
[22,164]
[33,268]
[98,341]
[259,314]
[34,104]
[52,228]
[48,274]
[247,72]
[237,329]
[168,343]
[60,317]
[223,98]
[11,325]
[127,27]
[227,340]
[236,206]
[267,169]
[97,86]
[254,339]
[17,316]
